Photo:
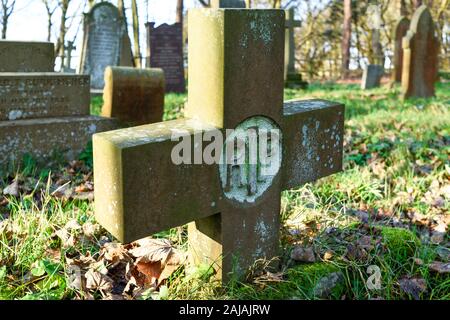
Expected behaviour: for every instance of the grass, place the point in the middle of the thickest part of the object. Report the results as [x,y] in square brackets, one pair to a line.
[382,212]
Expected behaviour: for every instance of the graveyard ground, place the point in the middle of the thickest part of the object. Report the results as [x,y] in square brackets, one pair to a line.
[388,210]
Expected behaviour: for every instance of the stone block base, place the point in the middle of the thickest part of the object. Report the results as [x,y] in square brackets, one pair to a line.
[42,137]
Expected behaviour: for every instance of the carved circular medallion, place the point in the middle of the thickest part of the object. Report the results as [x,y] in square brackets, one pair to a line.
[251,158]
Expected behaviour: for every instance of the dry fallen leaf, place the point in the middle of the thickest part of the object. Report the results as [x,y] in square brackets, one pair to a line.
[440,267]
[98,281]
[303,254]
[413,286]
[12,189]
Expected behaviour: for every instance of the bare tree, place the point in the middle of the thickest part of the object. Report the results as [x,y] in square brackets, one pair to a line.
[205,3]
[7,9]
[50,7]
[180,9]
[59,49]
[137,47]
[346,37]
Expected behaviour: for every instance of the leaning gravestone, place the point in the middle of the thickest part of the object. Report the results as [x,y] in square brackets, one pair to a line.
[165,47]
[104,32]
[372,76]
[134,96]
[235,81]
[44,112]
[420,56]
[21,56]
[400,30]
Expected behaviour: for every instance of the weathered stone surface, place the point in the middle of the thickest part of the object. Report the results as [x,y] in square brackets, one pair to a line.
[134,96]
[42,137]
[26,56]
[420,56]
[215,4]
[314,149]
[42,95]
[372,76]
[165,51]
[400,30]
[236,81]
[104,32]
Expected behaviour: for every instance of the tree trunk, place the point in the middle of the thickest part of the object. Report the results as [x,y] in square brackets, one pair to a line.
[180,9]
[346,38]
[277,4]
[248,4]
[137,47]
[64,5]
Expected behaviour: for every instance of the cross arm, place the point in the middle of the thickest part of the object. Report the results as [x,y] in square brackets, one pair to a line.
[313,133]
[139,190]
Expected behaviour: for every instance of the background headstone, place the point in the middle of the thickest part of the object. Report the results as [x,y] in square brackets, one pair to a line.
[104,32]
[134,96]
[400,30]
[21,56]
[372,76]
[292,78]
[420,56]
[44,112]
[165,49]
[215,4]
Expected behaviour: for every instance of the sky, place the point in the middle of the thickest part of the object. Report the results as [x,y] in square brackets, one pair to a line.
[29,20]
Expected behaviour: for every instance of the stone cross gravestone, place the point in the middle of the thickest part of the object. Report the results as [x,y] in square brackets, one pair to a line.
[372,76]
[215,4]
[68,49]
[134,96]
[292,78]
[44,112]
[420,56]
[165,51]
[235,82]
[400,30]
[21,56]
[104,33]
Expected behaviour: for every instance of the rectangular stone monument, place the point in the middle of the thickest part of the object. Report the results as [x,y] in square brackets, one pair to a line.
[26,56]
[400,30]
[165,50]
[40,95]
[235,82]
[420,56]
[104,32]
[372,76]
[134,96]
[45,112]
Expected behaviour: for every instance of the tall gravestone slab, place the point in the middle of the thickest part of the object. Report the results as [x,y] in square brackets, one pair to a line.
[26,56]
[420,56]
[372,76]
[165,49]
[235,82]
[103,43]
[400,30]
